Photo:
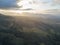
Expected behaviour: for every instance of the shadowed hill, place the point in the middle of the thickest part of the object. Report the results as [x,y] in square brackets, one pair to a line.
[8,23]
[9,30]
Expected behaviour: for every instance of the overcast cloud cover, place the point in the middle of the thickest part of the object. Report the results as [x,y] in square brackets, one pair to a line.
[44,4]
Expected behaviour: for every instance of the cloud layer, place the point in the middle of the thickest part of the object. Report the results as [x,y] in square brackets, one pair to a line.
[40,4]
[57,1]
[33,4]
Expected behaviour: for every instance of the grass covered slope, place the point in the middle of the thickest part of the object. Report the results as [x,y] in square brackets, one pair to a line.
[20,30]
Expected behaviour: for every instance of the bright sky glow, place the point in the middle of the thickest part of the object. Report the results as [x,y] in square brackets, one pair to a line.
[32,6]
[38,4]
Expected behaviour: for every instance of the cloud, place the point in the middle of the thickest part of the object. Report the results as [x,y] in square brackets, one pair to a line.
[57,1]
[52,11]
[31,4]
[35,4]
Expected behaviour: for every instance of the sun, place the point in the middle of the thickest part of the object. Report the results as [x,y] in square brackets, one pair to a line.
[31,6]
[28,4]
[25,4]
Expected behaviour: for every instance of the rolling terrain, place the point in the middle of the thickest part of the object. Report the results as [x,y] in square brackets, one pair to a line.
[30,30]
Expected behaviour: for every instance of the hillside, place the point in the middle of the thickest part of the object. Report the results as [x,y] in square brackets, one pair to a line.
[24,30]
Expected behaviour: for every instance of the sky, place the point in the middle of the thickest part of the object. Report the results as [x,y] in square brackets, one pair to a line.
[30,4]
[40,4]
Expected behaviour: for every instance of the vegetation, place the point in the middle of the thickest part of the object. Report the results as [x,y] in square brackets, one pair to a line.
[18,31]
